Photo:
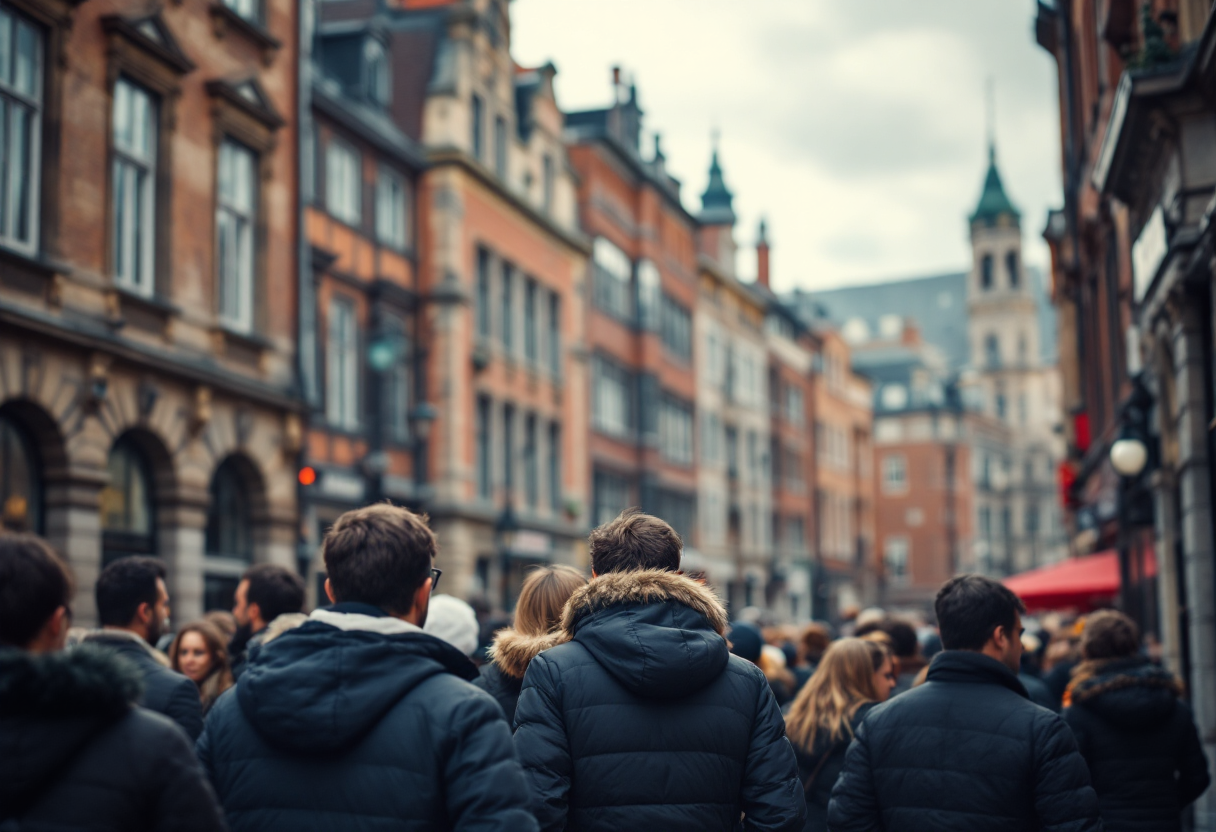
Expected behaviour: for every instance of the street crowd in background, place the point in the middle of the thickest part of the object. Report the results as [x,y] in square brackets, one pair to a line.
[623,699]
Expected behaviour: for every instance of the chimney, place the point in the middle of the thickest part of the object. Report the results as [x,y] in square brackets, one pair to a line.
[762,255]
[616,85]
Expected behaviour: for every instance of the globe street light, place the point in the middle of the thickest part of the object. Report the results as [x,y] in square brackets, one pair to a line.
[1128,456]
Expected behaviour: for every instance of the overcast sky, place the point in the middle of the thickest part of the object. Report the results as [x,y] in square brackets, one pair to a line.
[857,128]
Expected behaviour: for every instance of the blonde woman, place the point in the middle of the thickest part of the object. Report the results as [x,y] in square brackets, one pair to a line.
[538,616]
[853,676]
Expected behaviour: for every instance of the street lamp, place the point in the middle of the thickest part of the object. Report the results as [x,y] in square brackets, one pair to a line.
[1128,456]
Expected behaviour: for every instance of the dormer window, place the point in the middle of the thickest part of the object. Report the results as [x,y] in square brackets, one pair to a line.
[376,74]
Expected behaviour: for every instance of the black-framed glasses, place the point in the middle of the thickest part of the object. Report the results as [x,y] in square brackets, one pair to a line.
[436,574]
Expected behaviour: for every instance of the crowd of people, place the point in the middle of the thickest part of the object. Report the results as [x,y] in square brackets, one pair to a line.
[626,699]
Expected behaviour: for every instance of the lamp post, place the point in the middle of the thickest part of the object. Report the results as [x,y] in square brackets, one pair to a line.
[1130,458]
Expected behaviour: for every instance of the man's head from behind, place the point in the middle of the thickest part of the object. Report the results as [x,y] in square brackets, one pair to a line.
[265,592]
[979,614]
[35,588]
[381,555]
[634,541]
[131,595]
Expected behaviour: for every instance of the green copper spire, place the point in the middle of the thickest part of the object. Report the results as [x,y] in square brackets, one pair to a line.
[716,202]
[994,202]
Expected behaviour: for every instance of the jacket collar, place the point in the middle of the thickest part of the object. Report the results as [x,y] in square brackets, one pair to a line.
[512,650]
[365,618]
[648,586]
[127,642]
[968,666]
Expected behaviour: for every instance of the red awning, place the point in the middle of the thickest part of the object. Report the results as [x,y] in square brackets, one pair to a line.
[1083,583]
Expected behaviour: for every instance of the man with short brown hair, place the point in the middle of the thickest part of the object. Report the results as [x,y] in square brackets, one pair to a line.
[640,717]
[358,718]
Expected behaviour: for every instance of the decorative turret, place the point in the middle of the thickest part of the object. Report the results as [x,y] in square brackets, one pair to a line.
[716,202]
[994,202]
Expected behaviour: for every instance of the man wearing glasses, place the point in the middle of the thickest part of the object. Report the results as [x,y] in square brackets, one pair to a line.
[359,719]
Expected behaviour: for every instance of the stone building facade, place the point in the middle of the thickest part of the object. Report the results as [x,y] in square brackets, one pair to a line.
[147,254]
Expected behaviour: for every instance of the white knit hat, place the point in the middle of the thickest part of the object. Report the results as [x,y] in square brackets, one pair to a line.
[454,621]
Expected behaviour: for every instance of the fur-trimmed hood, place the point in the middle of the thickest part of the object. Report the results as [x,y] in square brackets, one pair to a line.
[512,650]
[1129,692]
[658,633]
[52,704]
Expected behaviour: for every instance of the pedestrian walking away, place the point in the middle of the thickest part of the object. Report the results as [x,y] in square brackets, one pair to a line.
[264,592]
[967,750]
[641,718]
[133,607]
[357,719]
[538,618]
[1136,734]
[75,750]
[853,676]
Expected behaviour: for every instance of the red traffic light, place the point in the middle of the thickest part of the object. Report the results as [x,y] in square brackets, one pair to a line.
[308,475]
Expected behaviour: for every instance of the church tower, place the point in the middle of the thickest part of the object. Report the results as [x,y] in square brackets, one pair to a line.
[717,217]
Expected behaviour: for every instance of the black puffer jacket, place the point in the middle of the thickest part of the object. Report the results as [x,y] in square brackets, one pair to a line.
[165,691]
[819,768]
[76,754]
[643,720]
[503,676]
[359,721]
[965,751]
[1141,744]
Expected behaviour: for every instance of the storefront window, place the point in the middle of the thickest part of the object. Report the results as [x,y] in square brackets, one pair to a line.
[20,481]
[127,515]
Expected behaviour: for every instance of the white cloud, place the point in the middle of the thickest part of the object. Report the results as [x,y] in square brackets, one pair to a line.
[857,128]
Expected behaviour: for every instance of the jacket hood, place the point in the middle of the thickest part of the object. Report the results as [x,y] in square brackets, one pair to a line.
[1132,693]
[51,705]
[512,650]
[659,634]
[967,666]
[322,686]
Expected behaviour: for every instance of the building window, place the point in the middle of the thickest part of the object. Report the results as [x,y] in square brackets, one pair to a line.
[650,295]
[342,400]
[992,350]
[235,212]
[508,448]
[1011,265]
[395,385]
[392,216]
[500,147]
[795,406]
[1001,406]
[732,452]
[20,130]
[986,272]
[484,315]
[894,473]
[679,510]
[531,463]
[531,346]
[229,517]
[379,79]
[133,189]
[612,279]
[485,480]
[477,114]
[675,431]
[1032,520]
[895,552]
[507,330]
[555,467]
[249,9]
[711,438]
[676,329]
[343,182]
[127,508]
[611,496]
[612,398]
[546,184]
[555,334]
[20,480]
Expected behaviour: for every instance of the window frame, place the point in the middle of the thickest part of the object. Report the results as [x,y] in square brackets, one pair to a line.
[608,376]
[352,214]
[246,276]
[894,473]
[139,244]
[34,102]
[477,128]
[343,409]
[392,219]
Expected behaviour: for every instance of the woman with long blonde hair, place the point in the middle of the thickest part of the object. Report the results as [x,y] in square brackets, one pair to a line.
[538,617]
[853,676]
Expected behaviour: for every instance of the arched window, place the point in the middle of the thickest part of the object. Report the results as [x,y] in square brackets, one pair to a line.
[992,351]
[379,83]
[127,507]
[20,480]
[228,543]
[1011,265]
[986,272]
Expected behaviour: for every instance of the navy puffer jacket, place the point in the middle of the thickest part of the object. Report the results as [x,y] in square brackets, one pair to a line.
[358,721]
[643,720]
[1141,744]
[965,751]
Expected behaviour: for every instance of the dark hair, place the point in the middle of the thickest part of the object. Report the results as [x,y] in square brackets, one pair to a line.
[275,589]
[34,583]
[1109,634]
[634,541]
[379,555]
[904,642]
[970,607]
[123,586]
